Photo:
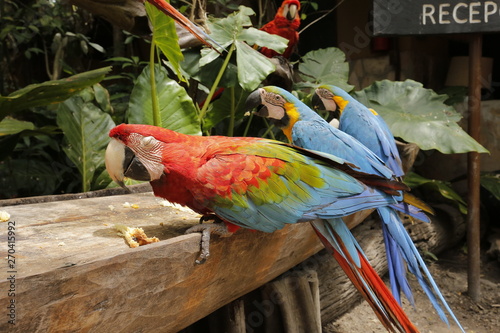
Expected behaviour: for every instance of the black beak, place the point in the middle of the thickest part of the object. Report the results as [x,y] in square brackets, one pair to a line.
[317,103]
[254,101]
[134,169]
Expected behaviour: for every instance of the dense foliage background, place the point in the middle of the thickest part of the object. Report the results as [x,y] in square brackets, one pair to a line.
[66,79]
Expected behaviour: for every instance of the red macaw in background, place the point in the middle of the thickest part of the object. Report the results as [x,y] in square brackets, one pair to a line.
[262,185]
[285,24]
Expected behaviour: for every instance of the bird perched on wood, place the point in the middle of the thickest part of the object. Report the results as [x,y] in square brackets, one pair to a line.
[362,123]
[262,185]
[307,129]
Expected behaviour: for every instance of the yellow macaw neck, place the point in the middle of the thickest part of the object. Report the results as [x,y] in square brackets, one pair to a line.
[293,116]
[341,103]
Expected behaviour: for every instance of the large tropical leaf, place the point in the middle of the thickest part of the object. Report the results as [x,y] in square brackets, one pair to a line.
[418,115]
[177,110]
[49,92]
[325,66]
[206,74]
[232,98]
[252,66]
[414,180]
[165,37]
[9,126]
[86,129]
[491,182]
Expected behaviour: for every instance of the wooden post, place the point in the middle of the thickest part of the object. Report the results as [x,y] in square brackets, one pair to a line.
[473,169]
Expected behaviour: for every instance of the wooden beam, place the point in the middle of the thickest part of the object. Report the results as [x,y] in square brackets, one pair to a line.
[73,273]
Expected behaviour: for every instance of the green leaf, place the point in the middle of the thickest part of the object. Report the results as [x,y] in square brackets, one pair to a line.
[177,110]
[418,115]
[102,98]
[263,39]
[10,126]
[491,182]
[49,92]
[86,129]
[165,37]
[414,180]
[252,66]
[206,74]
[221,108]
[255,69]
[325,66]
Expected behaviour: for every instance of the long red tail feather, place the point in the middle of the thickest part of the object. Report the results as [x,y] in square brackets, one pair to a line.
[387,309]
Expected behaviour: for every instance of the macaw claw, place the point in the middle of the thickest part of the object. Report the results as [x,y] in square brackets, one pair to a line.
[218,228]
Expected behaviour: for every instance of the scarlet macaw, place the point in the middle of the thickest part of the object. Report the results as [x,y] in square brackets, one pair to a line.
[306,129]
[285,24]
[262,185]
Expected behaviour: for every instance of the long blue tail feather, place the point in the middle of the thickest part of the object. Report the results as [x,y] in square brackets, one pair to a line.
[411,211]
[397,268]
[416,265]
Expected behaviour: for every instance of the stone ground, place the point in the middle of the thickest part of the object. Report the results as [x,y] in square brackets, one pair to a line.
[450,273]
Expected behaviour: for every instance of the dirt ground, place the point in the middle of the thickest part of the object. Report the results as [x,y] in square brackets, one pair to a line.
[450,273]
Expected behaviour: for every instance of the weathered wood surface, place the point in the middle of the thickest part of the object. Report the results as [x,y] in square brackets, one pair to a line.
[74,274]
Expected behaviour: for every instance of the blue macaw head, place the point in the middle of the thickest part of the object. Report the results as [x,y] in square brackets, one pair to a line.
[279,105]
[331,98]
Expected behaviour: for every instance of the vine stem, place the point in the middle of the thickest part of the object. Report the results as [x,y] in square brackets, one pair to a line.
[154,94]
[230,131]
[216,82]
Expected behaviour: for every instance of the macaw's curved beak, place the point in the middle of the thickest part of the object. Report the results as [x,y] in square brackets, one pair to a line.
[317,103]
[121,162]
[292,11]
[254,101]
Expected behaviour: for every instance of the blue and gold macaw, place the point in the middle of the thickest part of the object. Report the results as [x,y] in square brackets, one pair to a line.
[306,129]
[362,123]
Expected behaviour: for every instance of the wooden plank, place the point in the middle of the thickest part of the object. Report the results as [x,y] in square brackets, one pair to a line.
[73,273]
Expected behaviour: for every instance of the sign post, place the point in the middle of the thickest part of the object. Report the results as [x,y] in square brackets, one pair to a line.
[407,17]
[474,170]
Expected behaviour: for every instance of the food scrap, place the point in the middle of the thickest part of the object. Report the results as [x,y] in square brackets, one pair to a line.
[129,205]
[4,216]
[134,236]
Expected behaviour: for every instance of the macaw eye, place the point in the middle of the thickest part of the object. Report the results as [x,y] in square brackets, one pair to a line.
[325,93]
[276,99]
[148,141]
